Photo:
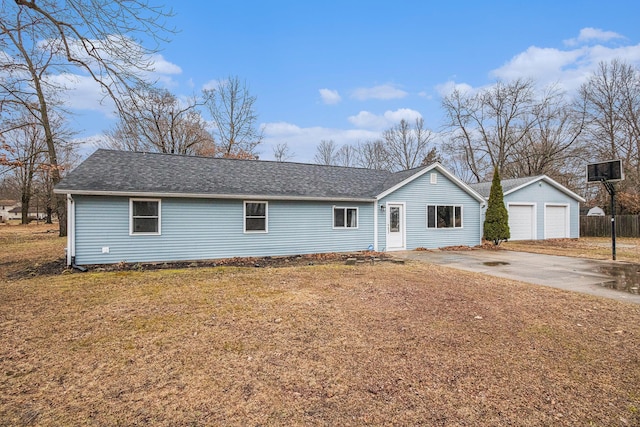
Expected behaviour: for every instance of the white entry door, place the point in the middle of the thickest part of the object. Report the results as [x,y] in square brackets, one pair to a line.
[395,226]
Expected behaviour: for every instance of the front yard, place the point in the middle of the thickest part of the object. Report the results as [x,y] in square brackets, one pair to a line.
[380,344]
[627,248]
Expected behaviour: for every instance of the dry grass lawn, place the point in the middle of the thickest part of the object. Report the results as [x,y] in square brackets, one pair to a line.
[381,344]
[627,249]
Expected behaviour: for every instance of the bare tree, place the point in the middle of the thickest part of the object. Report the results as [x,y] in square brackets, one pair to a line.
[486,127]
[552,142]
[101,38]
[24,153]
[27,149]
[372,155]
[611,98]
[156,121]
[282,152]
[326,152]
[233,112]
[612,101]
[346,155]
[407,145]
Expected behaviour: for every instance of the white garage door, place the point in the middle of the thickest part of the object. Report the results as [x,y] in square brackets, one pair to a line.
[522,222]
[556,224]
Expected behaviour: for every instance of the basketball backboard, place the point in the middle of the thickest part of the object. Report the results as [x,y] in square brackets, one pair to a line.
[605,171]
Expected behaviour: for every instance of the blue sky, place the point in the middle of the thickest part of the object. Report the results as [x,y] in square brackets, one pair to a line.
[347,70]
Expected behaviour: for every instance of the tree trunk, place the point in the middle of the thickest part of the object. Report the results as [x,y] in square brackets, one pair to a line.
[25,208]
[61,212]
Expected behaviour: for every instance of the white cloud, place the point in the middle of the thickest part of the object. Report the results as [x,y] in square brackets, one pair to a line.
[592,34]
[569,68]
[386,91]
[303,141]
[449,86]
[542,64]
[368,120]
[164,67]
[211,84]
[329,96]
[82,93]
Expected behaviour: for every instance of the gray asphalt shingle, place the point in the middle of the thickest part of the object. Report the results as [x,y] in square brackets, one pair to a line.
[484,188]
[131,172]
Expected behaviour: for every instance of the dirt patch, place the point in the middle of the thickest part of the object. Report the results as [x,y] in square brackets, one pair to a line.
[59,266]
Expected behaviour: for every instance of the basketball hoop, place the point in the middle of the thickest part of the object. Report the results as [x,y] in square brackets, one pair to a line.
[608,173]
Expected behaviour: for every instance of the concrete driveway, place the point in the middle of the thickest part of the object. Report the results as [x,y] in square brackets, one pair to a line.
[600,278]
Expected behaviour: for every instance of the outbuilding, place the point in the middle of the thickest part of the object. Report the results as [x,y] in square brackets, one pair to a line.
[538,207]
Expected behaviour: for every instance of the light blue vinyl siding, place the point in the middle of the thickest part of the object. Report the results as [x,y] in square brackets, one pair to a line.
[194,229]
[417,195]
[540,193]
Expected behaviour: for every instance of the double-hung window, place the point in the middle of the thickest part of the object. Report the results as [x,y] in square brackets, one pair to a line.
[345,217]
[144,216]
[255,217]
[444,216]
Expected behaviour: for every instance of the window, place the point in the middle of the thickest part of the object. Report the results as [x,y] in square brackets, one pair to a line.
[444,216]
[255,217]
[345,217]
[145,216]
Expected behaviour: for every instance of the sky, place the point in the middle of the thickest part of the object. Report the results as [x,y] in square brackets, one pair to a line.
[347,70]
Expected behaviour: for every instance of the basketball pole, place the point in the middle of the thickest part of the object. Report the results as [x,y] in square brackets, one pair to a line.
[611,189]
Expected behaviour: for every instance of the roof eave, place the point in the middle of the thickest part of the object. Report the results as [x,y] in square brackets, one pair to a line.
[551,182]
[212,196]
[442,170]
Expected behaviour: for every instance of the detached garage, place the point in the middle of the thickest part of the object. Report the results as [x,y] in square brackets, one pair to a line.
[539,208]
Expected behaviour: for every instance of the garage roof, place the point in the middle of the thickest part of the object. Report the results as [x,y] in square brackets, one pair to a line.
[512,185]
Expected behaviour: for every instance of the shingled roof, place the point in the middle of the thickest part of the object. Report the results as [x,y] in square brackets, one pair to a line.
[510,185]
[134,173]
[484,188]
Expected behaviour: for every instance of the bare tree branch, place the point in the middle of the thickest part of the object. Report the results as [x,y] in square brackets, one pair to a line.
[156,121]
[232,109]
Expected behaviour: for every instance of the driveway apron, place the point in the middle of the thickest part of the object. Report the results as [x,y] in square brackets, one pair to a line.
[587,276]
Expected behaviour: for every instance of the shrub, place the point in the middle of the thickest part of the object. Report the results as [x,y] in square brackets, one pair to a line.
[496,222]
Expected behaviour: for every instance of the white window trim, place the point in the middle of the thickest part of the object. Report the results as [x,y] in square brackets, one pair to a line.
[266,217]
[426,211]
[333,217]
[131,232]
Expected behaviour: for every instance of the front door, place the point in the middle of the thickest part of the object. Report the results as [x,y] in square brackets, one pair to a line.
[395,226]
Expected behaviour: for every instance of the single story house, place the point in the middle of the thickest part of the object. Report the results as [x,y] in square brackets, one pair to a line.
[35,212]
[6,210]
[150,207]
[538,207]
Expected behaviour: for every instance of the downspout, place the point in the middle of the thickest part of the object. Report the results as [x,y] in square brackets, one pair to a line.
[70,231]
[71,235]
[483,212]
[375,225]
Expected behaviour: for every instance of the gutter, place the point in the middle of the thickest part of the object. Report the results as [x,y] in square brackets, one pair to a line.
[212,196]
